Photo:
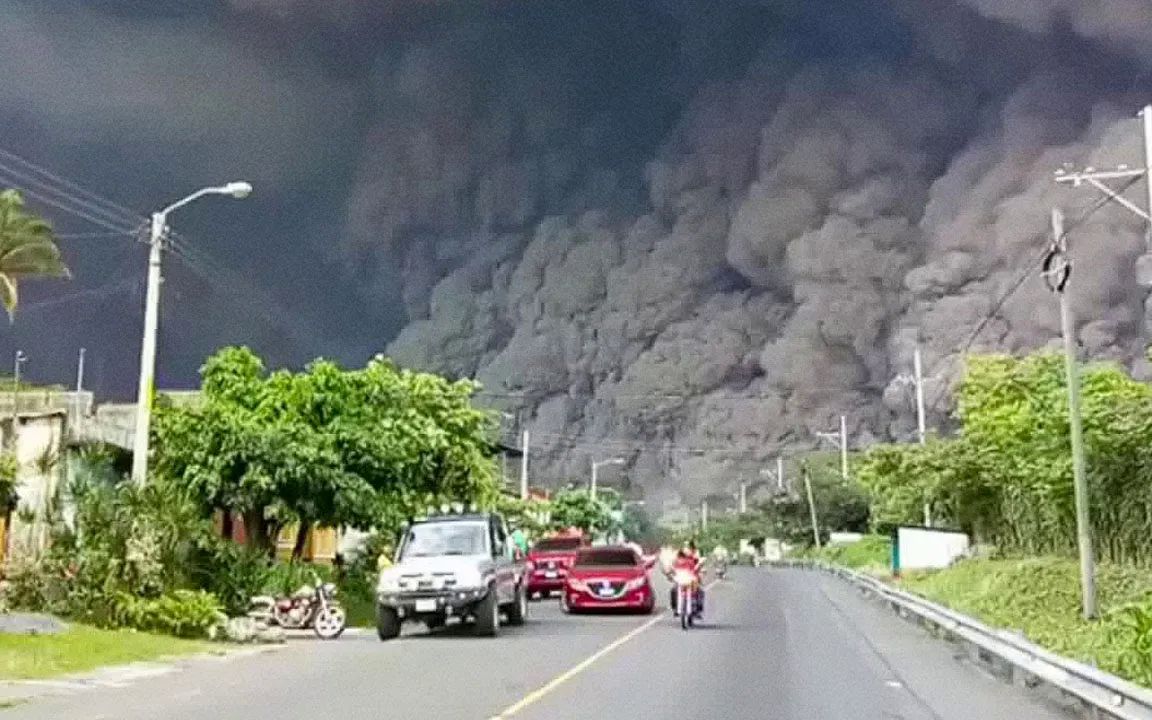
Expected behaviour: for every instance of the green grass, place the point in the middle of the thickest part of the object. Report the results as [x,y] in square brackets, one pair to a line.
[361,610]
[872,553]
[1040,597]
[82,648]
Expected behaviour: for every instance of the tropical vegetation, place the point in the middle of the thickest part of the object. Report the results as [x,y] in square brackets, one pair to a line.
[27,249]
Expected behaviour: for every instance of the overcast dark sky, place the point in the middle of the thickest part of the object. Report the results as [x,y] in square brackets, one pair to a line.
[143,102]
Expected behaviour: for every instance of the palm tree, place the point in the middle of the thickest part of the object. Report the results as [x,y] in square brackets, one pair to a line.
[27,248]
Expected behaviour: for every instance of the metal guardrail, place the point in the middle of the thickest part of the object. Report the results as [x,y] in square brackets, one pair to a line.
[1101,694]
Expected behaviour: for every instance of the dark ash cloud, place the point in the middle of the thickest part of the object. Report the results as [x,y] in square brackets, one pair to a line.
[721,223]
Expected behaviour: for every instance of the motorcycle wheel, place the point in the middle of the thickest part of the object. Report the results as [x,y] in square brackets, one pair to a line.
[685,613]
[330,622]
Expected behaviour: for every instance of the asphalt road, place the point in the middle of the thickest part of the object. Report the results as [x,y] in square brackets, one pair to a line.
[775,645]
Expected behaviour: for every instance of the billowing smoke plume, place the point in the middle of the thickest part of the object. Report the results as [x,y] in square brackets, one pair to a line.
[809,220]
[1123,25]
[657,226]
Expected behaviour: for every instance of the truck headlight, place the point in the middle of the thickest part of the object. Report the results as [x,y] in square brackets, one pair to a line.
[470,579]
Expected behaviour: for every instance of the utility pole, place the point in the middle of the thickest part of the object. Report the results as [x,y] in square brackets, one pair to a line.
[148,352]
[78,412]
[145,390]
[841,438]
[917,382]
[524,469]
[811,505]
[704,516]
[1058,270]
[780,472]
[18,360]
[743,497]
[844,447]
[921,422]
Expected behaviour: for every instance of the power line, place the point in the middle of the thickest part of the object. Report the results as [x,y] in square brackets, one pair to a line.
[25,180]
[92,235]
[42,185]
[104,291]
[65,207]
[74,186]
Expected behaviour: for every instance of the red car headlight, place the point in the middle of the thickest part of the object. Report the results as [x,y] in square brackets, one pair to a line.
[576,584]
[635,584]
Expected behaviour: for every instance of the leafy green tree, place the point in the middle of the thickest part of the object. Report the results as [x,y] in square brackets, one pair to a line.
[362,448]
[27,249]
[575,507]
[528,515]
[1007,477]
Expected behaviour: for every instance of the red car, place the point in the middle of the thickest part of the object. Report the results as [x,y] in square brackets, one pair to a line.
[548,563]
[610,577]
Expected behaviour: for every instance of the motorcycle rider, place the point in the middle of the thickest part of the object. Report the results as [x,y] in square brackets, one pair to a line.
[720,557]
[688,559]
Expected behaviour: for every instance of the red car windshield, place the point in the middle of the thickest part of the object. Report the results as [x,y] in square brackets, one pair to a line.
[557,545]
[600,558]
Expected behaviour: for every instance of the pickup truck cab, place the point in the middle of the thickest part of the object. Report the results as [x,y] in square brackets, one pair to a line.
[548,563]
[461,566]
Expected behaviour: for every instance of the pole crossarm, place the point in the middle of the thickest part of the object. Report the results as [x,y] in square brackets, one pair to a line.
[1096,178]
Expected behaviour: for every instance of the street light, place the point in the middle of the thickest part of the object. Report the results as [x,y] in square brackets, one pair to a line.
[597,465]
[236,190]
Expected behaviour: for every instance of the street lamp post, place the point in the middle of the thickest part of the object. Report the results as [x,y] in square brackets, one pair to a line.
[17,362]
[151,320]
[596,466]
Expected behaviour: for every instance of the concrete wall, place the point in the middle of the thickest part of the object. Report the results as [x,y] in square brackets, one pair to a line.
[39,448]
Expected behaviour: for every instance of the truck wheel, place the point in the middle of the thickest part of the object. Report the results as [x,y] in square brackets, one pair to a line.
[387,622]
[488,615]
[518,610]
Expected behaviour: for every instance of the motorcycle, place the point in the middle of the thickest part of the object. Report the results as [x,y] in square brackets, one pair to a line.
[721,568]
[312,606]
[686,588]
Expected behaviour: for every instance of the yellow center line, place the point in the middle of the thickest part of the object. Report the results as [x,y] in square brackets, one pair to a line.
[580,667]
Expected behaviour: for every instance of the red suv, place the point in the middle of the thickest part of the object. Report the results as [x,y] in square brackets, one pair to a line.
[609,577]
[548,563]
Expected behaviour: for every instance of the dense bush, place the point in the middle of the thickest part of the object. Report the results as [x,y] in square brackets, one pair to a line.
[232,573]
[126,553]
[183,613]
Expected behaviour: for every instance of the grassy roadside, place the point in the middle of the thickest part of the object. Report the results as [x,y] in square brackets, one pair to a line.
[1040,597]
[872,554]
[82,648]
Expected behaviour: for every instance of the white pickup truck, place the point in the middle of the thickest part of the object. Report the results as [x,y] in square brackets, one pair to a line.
[462,566]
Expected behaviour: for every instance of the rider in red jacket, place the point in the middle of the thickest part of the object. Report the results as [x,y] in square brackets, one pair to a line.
[688,559]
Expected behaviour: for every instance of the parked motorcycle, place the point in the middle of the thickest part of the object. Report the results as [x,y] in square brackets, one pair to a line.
[721,568]
[312,606]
